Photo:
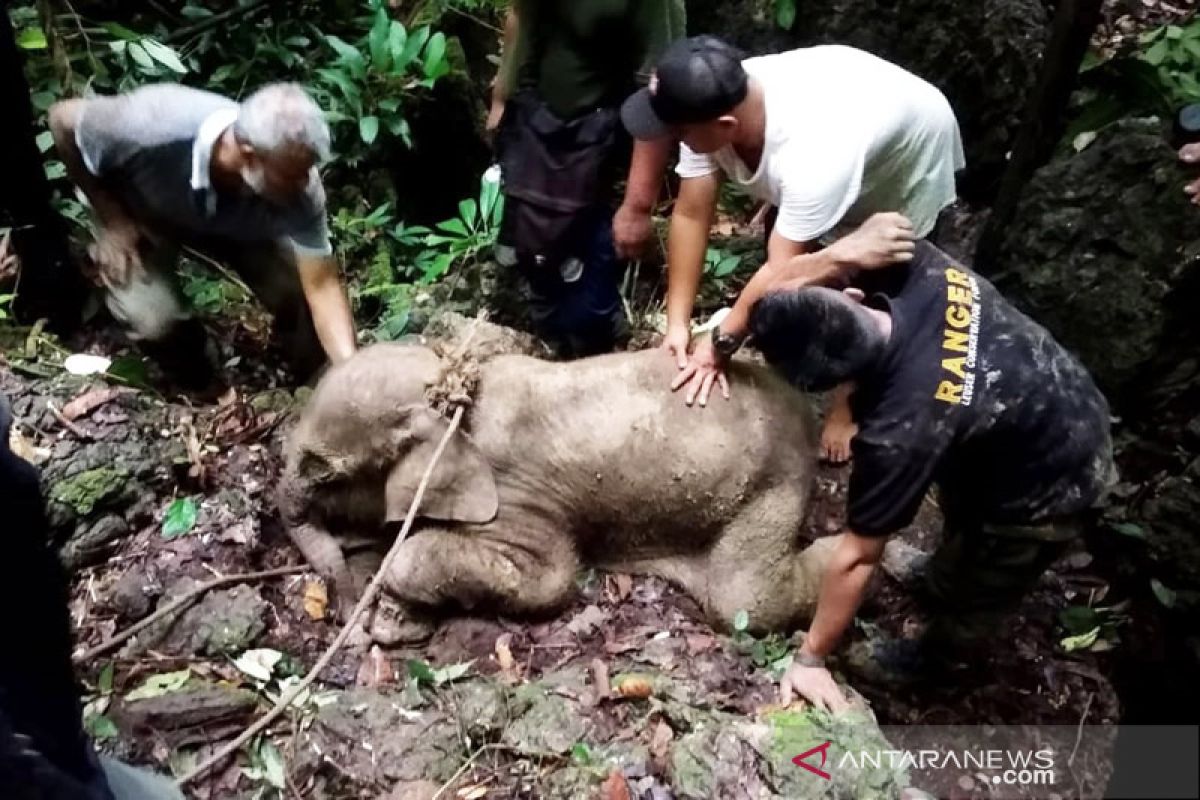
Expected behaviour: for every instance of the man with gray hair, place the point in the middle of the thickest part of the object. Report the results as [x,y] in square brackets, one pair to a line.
[167,166]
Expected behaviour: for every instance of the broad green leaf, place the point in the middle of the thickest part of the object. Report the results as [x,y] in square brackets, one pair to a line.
[1081,642]
[416,41]
[1157,52]
[32,39]
[1168,597]
[104,684]
[420,671]
[180,518]
[141,57]
[785,13]
[389,104]
[164,55]
[468,211]
[350,56]
[100,727]
[741,620]
[343,82]
[45,140]
[1130,529]
[436,269]
[1078,619]
[195,12]
[581,754]
[435,55]
[43,100]
[455,226]
[55,170]
[368,128]
[130,370]
[158,685]
[120,31]
[377,42]
[727,265]
[451,673]
[397,38]
[273,766]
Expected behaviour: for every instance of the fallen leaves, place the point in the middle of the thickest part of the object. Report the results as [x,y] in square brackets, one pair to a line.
[316,599]
[158,685]
[660,744]
[89,401]
[615,787]
[259,664]
[375,669]
[586,622]
[633,686]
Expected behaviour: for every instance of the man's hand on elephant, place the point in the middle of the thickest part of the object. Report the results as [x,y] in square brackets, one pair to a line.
[676,343]
[815,685]
[881,241]
[1190,154]
[115,253]
[632,229]
[703,369]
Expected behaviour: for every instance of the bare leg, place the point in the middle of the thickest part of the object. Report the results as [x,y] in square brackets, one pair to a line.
[839,426]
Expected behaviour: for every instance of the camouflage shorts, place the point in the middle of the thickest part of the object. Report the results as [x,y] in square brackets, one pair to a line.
[980,573]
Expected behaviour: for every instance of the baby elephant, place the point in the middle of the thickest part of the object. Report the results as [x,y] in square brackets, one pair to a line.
[559,465]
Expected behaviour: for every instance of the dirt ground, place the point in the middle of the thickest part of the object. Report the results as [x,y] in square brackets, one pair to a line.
[627,690]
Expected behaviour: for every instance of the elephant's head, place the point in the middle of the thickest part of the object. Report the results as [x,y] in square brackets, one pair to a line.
[367,428]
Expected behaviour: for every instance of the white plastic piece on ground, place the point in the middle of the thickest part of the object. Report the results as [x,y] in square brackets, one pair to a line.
[86,364]
[713,321]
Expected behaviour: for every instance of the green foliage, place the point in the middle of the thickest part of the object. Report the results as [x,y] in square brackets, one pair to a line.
[5,306]
[368,79]
[179,518]
[772,653]
[1092,628]
[1158,77]
[785,13]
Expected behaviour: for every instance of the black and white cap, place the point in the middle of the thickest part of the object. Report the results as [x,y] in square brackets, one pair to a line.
[696,80]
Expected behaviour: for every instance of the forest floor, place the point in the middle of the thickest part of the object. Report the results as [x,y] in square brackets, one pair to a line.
[627,689]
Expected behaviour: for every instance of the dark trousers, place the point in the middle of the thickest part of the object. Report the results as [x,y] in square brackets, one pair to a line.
[981,571]
[577,305]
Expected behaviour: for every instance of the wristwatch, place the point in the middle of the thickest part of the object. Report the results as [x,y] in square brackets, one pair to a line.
[724,344]
[807,659]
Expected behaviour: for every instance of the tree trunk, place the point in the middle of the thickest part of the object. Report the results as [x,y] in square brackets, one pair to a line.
[49,285]
[1045,118]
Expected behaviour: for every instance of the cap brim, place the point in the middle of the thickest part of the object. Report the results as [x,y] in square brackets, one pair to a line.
[639,118]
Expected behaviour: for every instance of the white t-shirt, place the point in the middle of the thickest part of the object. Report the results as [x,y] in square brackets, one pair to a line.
[847,135]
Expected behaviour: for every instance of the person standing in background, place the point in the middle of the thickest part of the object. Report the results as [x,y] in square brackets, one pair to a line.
[566,69]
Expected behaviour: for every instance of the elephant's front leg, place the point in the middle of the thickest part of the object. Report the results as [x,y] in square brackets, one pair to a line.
[494,567]
[324,554]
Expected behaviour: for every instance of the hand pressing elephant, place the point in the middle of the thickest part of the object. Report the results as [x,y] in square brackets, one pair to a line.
[556,466]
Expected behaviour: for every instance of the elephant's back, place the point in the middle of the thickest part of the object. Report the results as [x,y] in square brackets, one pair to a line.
[604,442]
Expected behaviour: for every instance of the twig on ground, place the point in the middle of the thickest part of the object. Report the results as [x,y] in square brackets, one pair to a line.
[76,431]
[117,639]
[1079,733]
[364,602]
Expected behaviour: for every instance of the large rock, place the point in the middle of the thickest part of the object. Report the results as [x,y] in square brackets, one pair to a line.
[1103,251]
[984,56]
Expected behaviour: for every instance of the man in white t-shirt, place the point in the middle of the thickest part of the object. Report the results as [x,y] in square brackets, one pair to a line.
[830,136]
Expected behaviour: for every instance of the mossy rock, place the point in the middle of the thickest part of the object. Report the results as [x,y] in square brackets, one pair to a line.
[91,489]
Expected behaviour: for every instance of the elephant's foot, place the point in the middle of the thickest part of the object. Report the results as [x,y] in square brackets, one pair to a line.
[394,624]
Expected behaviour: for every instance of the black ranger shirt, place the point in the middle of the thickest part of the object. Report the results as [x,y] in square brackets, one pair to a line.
[975,397]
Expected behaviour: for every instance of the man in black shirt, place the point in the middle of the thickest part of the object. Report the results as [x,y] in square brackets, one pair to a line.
[954,388]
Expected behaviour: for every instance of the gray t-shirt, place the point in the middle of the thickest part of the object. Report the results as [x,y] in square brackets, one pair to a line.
[147,148]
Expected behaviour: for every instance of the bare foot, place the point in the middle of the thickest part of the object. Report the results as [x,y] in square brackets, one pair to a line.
[835,438]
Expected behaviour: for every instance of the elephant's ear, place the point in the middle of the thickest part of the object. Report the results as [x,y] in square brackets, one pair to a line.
[462,487]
